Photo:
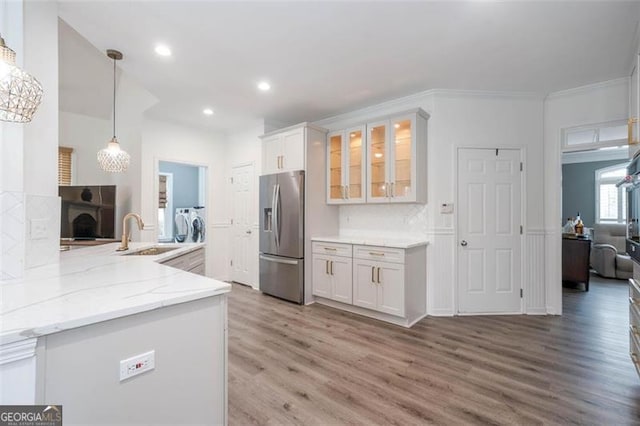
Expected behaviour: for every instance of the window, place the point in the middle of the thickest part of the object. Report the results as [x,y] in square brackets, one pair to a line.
[65,157]
[611,203]
[595,136]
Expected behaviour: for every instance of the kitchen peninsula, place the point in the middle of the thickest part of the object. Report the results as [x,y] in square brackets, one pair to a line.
[66,327]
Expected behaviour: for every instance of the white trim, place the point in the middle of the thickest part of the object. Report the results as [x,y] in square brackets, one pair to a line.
[381,316]
[588,87]
[591,155]
[12,352]
[415,99]
[596,128]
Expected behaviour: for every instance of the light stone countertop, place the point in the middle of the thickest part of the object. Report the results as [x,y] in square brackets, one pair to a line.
[402,243]
[94,284]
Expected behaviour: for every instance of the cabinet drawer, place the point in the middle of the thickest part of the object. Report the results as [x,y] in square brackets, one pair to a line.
[332,249]
[634,293]
[381,254]
[187,261]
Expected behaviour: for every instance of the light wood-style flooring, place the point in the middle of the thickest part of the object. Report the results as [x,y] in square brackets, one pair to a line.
[315,365]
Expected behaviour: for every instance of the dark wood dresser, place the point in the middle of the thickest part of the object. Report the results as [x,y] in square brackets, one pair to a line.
[575,260]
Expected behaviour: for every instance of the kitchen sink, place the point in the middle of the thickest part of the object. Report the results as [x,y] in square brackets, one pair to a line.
[151,251]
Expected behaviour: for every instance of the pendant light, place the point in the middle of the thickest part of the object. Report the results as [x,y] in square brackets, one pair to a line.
[112,158]
[20,92]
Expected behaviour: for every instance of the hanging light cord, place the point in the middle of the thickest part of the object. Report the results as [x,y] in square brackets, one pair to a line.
[114,97]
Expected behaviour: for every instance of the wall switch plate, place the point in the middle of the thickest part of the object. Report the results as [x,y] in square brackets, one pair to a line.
[138,364]
[446,208]
[38,229]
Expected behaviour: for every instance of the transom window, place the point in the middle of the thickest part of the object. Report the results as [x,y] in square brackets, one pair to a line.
[611,203]
[614,133]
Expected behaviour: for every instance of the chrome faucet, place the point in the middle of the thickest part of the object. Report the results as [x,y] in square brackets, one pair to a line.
[124,244]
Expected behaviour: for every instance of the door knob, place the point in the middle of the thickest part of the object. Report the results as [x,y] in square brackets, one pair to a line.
[463,243]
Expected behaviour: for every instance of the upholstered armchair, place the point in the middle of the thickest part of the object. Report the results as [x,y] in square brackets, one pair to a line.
[608,254]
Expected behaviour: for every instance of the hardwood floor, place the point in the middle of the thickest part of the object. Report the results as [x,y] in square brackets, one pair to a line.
[315,365]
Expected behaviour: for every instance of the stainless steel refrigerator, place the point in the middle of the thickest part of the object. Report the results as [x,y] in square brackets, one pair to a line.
[282,235]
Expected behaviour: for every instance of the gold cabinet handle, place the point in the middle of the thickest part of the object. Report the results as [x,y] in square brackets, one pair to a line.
[634,330]
[326,267]
[373,271]
[634,359]
[378,275]
[393,189]
[331,249]
[346,192]
[630,124]
[386,189]
[331,267]
[376,253]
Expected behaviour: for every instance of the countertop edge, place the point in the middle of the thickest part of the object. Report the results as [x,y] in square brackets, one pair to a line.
[364,241]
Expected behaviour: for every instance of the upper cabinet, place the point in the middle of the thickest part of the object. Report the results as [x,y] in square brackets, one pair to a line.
[394,150]
[346,169]
[283,151]
[634,110]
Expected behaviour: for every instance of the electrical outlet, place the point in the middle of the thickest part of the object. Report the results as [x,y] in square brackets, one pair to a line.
[137,365]
[38,229]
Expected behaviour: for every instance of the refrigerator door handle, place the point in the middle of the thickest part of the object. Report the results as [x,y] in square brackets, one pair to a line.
[274,212]
[276,260]
[277,214]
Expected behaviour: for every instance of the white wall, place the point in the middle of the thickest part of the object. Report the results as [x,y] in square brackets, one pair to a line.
[161,141]
[460,119]
[30,219]
[596,103]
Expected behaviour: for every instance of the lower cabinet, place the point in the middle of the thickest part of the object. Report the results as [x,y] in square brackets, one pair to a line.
[332,278]
[193,261]
[379,286]
[381,282]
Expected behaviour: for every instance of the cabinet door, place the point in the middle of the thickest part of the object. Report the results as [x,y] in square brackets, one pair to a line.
[321,279]
[335,168]
[341,279]
[271,151]
[390,279]
[365,289]
[377,164]
[402,159]
[355,164]
[292,150]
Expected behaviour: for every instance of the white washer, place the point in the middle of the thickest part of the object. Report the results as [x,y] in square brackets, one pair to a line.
[184,226]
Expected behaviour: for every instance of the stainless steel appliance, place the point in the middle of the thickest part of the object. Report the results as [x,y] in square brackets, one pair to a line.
[632,183]
[282,235]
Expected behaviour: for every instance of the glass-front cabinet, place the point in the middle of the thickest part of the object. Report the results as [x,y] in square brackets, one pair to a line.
[392,160]
[384,161]
[346,166]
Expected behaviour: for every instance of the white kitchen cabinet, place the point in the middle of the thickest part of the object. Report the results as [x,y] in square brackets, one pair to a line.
[283,151]
[386,283]
[346,166]
[397,159]
[379,286]
[393,150]
[332,274]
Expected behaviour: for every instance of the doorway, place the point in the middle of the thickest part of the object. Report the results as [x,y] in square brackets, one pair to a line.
[181,202]
[489,252]
[244,243]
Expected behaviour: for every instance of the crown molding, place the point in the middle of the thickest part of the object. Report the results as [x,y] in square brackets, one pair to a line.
[587,88]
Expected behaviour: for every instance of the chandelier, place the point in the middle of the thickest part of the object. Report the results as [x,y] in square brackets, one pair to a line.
[20,92]
[112,158]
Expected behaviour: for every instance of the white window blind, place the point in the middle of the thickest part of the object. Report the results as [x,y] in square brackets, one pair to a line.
[64,165]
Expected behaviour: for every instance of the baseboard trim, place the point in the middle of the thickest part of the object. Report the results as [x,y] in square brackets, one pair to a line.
[380,316]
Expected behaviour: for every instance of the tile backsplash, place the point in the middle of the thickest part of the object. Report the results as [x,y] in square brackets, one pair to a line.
[384,220]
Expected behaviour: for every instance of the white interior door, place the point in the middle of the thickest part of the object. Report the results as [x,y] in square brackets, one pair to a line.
[243,235]
[489,226]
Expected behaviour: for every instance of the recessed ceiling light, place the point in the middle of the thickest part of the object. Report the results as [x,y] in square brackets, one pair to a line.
[207,111]
[264,86]
[163,50]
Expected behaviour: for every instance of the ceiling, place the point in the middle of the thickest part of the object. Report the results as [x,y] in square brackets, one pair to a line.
[324,58]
